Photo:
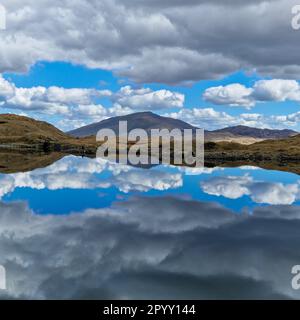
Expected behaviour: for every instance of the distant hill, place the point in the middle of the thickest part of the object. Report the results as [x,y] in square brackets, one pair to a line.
[143,120]
[149,120]
[263,134]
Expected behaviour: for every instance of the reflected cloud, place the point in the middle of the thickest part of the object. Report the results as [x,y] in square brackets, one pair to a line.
[150,248]
[146,180]
[83,173]
[198,171]
[234,187]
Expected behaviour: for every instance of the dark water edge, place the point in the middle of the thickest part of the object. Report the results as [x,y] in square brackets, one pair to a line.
[14,161]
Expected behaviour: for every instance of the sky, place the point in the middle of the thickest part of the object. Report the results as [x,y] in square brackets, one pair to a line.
[210,63]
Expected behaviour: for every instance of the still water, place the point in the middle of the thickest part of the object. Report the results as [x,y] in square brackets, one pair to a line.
[89,228]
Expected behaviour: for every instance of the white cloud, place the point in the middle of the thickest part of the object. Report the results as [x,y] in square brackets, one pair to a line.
[147,99]
[288,120]
[233,95]
[92,110]
[80,105]
[75,96]
[52,100]
[6,89]
[211,119]
[277,90]
[206,118]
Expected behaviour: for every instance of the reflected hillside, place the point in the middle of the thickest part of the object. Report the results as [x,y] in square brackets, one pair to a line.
[14,162]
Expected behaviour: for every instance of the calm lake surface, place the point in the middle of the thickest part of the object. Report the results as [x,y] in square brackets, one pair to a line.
[89,228]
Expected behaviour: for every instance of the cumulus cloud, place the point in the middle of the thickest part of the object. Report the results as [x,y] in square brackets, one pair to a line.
[153,41]
[52,100]
[75,96]
[235,94]
[289,119]
[143,248]
[147,99]
[81,105]
[7,90]
[206,118]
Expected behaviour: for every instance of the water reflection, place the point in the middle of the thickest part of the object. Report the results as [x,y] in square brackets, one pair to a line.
[247,185]
[234,187]
[86,228]
[150,248]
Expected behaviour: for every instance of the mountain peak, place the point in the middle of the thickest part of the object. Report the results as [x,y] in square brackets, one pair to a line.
[146,120]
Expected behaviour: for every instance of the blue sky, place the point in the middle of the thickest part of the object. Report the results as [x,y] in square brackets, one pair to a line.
[67,75]
[76,63]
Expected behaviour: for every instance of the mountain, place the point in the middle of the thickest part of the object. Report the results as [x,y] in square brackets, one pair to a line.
[143,120]
[32,138]
[264,134]
[149,120]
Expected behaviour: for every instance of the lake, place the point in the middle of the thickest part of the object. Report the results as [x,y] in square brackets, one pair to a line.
[89,228]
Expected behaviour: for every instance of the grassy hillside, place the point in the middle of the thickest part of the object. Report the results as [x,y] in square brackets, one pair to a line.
[279,150]
[15,128]
[18,132]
